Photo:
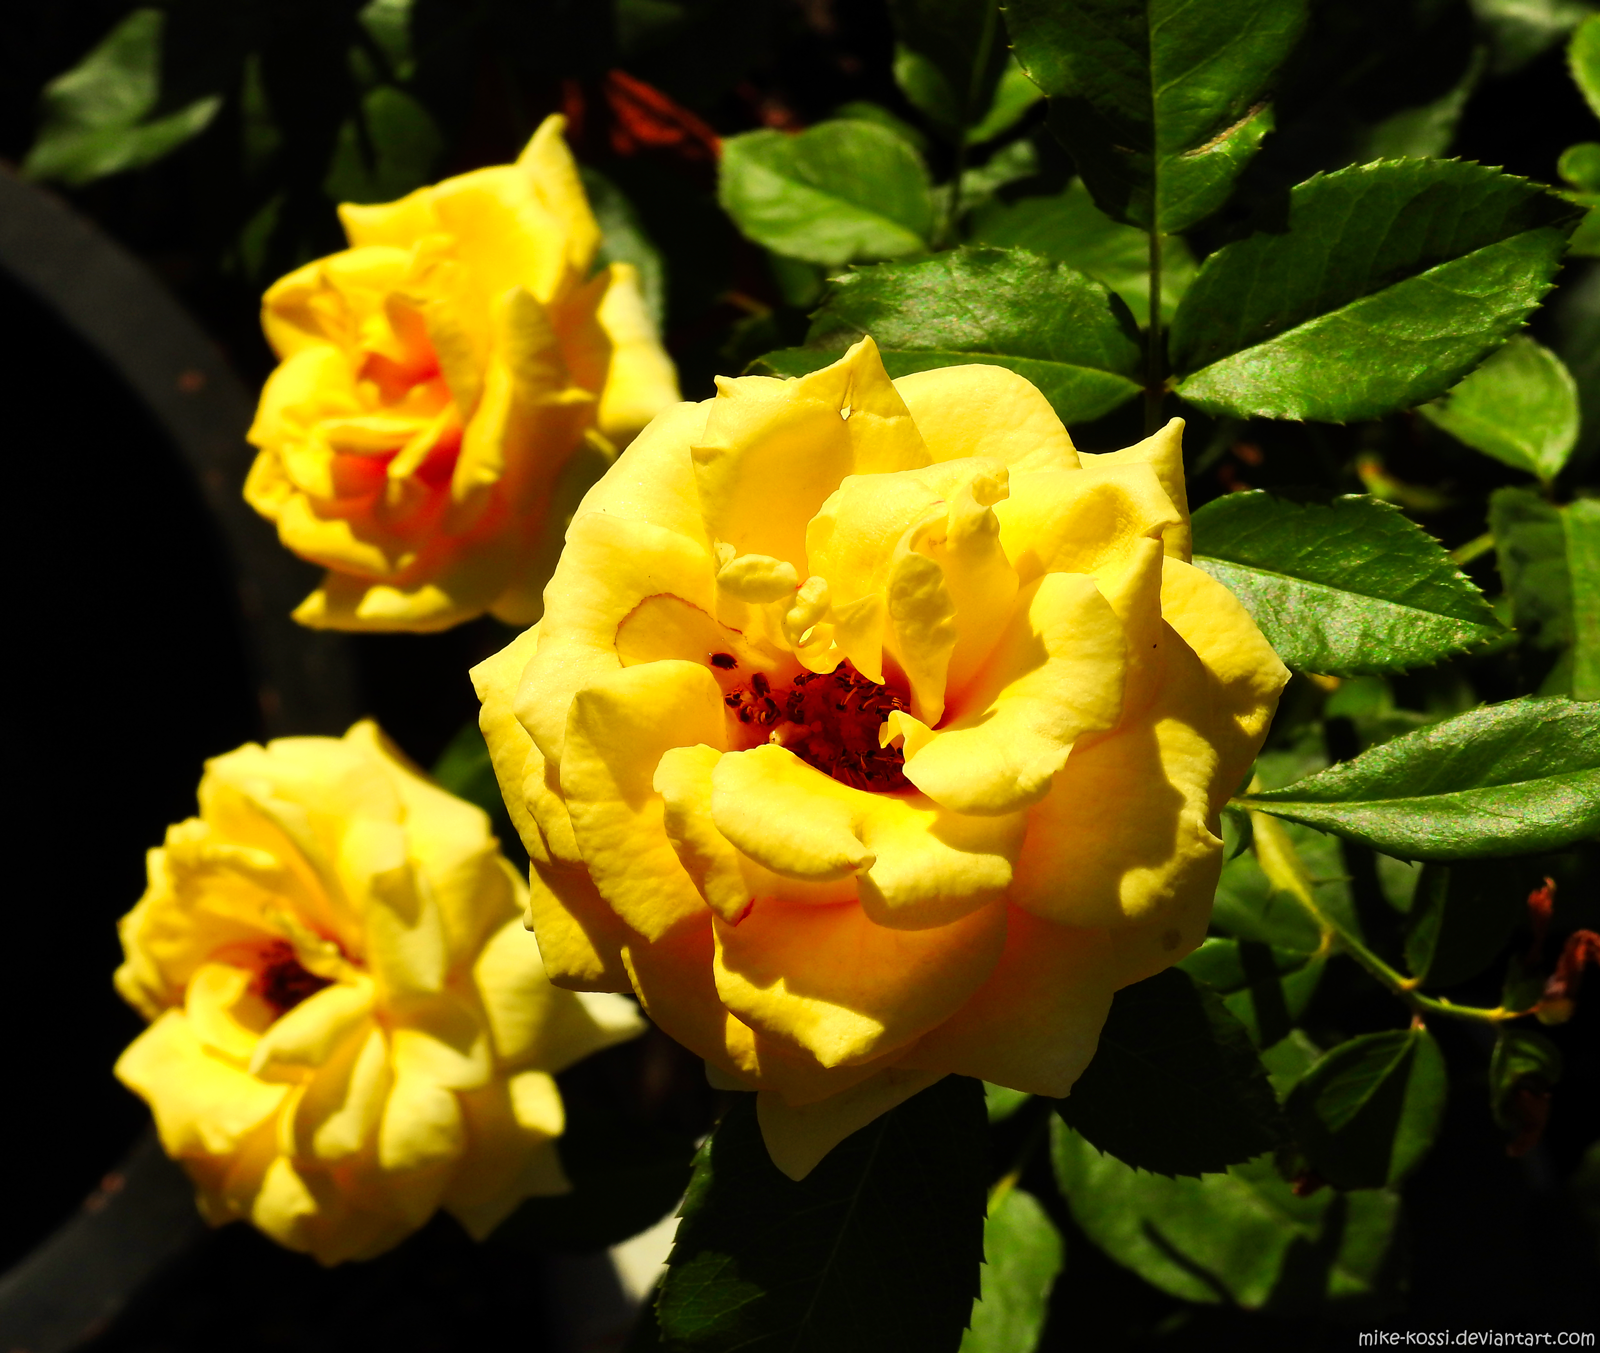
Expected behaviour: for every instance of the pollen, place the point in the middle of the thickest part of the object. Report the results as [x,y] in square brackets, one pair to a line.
[830,720]
[281,981]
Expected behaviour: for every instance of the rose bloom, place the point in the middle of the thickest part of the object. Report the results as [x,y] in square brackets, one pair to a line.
[350,1026]
[445,383]
[873,733]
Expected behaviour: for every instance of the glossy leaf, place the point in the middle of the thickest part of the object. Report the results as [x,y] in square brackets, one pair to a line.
[1176,1086]
[1516,778]
[1341,585]
[1583,60]
[1070,229]
[1519,30]
[1521,407]
[1249,908]
[1581,519]
[1459,920]
[1242,1237]
[93,117]
[1266,989]
[393,155]
[1061,330]
[838,191]
[1386,284]
[877,1249]
[1023,1253]
[1161,103]
[1368,1112]
[1000,1102]
[1014,94]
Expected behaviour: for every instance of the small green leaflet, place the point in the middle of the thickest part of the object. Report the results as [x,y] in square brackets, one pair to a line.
[1023,1253]
[1161,102]
[1242,1237]
[948,59]
[1064,332]
[1368,1111]
[397,154]
[1069,228]
[1176,1086]
[1523,1059]
[1516,778]
[877,1250]
[839,191]
[1341,585]
[1460,919]
[1521,407]
[1549,557]
[1385,286]
[1583,60]
[93,118]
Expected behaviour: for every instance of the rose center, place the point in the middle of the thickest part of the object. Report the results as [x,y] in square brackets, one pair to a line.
[281,981]
[830,720]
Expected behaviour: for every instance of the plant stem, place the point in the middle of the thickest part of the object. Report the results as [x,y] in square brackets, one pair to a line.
[1479,545]
[1030,1144]
[1153,373]
[1287,872]
[991,19]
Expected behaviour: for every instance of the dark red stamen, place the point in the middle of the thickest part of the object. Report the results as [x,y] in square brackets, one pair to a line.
[281,981]
[834,717]
[726,661]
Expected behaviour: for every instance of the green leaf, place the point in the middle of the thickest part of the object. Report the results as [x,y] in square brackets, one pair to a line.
[388,24]
[402,145]
[948,59]
[91,121]
[1023,1253]
[836,192]
[1519,30]
[1341,585]
[1386,284]
[625,1176]
[1013,96]
[1242,1237]
[1176,1086]
[877,1249]
[1459,920]
[1265,989]
[1424,131]
[1070,229]
[1522,1059]
[1579,165]
[1549,558]
[1367,1113]
[1161,103]
[1517,778]
[1521,407]
[1583,60]
[1000,1103]
[1065,333]
[623,240]
[1249,908]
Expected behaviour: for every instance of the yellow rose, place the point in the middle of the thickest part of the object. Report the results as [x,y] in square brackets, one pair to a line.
[445,382]
[873,733]
[350,1026]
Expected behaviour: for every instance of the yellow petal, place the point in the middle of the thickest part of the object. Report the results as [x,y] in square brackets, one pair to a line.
[798,1138]
[405,933]
[553,177]
[580,938]
[1078,521]
[773,451]
[1035,1023]
[496,680]
[640,379]
[653,480]
[1056,674]
[201,1103]
[440,1039]
[789,817]
[1163,452]
[337,1116]
[535,1023]
[829,981]
[683,779]
[305,1037]
[620,726]
[1125,834]
[218,994]
[986,411]
[398,224]
[509,1126]
[1246,675]
[421,1126]
[674,982]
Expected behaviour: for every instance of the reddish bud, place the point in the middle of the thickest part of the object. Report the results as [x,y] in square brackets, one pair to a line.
[1541,901]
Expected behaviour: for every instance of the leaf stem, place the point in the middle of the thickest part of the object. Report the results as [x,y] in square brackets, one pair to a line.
[1287,872]
[1479,545]
[1153,373]
[1030,1144]
[980,63]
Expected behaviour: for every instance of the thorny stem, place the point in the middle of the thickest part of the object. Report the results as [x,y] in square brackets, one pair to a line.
[1153,374]
[968,115]
[1283,866]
